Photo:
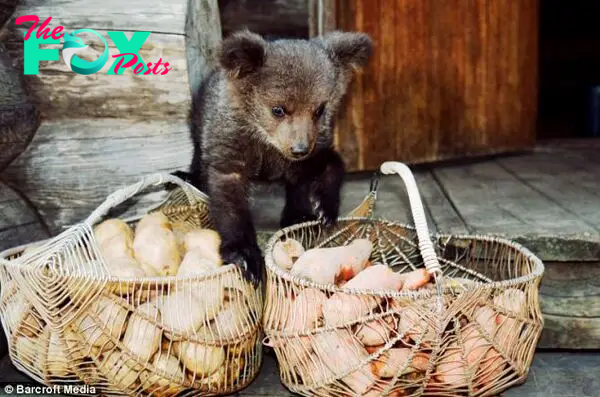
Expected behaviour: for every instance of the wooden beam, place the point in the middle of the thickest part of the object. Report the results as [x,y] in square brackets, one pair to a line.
[561,182]
[493,201]
[279,18]
[167,17]
[72,165]
[19,223]
[322,14]
[18,116]
[569,298]
[60,93]
[7,7]
[203,34]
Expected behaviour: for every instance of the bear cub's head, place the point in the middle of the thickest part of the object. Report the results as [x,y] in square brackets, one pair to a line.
[289,90]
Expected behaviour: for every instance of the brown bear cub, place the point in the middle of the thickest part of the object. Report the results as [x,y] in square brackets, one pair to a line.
[266,114]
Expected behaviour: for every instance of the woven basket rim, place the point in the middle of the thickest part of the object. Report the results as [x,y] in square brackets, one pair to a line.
[154,280]
[537,272]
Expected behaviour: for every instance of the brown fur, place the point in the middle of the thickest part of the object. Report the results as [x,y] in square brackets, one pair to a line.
[240,138]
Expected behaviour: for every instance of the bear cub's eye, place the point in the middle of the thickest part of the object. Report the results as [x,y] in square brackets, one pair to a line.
[320,110]
[278,111]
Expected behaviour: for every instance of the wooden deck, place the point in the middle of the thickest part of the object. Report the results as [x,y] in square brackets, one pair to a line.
[553,374]
[548,200]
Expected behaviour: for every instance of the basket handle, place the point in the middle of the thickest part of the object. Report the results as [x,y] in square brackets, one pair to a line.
[425,245]
[128,192]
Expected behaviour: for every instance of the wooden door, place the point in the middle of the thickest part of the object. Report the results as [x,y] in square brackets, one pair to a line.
[448,79]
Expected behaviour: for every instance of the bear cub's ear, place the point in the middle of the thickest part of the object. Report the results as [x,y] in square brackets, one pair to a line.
[242,53]
[348,49]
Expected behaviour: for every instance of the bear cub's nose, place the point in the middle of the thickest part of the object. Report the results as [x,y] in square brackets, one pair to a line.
[300,149]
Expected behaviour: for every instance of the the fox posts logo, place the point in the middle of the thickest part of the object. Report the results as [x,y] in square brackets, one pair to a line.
[127,58]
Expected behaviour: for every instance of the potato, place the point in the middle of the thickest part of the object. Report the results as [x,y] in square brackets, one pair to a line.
[78,350]
[195,262]
[342,308]
[416,321]
[29,352]
[345,309]
[376,332]
[244,348]
[57,361]
[492,367]
[186,309]
[157,251]
[314,373]
[118,370]
[124,267]
[507,332]
[111,325]
[115,247]
[222,378]
[415,279]
[111,228]
[206,241]
[340,352]
[285,253]
[142,337]
[167,377]
[476,347]
[306,310]
[200,359]
[486,318]
[20,314]
[231,322]
[509,328]
[475,344]
[334,264]
[153,219]
[451,369]
[395,359]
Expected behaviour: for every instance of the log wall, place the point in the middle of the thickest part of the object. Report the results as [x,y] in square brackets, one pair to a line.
[78,138]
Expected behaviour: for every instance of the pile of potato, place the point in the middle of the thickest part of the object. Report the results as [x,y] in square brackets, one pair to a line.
[152,336]
[400,338]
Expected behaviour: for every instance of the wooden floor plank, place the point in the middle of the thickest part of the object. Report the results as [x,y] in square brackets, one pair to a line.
[586,167]
[552,374]
[71,166]
[585,154]
[493,201]
[570,303]
[565,332]
[392,202]
[18,222]
[445,217]
[559,182]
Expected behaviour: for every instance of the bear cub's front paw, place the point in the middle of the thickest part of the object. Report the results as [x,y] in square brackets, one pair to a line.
[326,209]
[248,258]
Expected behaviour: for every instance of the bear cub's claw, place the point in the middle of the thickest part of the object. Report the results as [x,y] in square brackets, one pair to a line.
[326,211]
[249,260]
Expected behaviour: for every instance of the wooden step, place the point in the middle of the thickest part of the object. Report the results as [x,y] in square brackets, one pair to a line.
[552,374]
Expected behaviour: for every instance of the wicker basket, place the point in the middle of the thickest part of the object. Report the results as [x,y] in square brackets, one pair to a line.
[472,332]
[68,322]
